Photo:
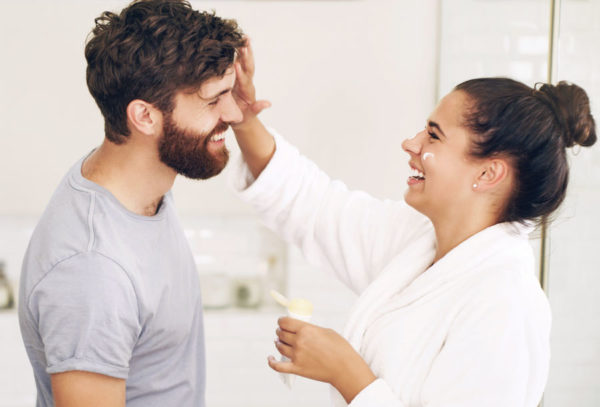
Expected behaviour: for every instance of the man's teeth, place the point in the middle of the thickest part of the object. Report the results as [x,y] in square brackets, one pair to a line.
[218,137]
[416,173]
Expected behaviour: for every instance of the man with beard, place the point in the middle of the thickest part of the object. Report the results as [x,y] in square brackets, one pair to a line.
[110,310]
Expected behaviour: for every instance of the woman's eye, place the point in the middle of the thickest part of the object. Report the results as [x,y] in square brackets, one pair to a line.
[214,103]
[432,135]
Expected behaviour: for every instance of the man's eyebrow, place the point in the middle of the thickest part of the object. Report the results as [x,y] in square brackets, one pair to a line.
[224,91]
[433,124]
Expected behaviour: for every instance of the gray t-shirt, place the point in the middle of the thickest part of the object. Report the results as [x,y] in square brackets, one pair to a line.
[105,290]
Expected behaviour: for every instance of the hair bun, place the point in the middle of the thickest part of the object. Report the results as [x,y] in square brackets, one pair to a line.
[571,106]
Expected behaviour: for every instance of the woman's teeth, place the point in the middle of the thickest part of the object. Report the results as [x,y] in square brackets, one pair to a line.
[416,173]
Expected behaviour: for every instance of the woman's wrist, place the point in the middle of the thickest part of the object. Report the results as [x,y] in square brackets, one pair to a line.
[247,126]
[256,144]
[352,379]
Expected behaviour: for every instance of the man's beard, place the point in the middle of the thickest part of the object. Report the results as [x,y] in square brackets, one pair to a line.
[187,151]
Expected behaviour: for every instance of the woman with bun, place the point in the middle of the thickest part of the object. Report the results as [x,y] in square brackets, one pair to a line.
[449,313]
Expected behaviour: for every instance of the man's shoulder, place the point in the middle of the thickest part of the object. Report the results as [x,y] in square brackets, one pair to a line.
[66,216]
[62,231]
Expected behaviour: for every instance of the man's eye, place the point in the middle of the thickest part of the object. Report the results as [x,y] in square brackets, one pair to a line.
[214,102]
[432,135]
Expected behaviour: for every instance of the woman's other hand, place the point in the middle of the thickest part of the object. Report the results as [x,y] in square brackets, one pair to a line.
[321,354]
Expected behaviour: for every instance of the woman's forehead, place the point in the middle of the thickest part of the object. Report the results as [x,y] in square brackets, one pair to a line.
[449,112]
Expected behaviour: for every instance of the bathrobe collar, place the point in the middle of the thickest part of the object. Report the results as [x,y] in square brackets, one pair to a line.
[418,276]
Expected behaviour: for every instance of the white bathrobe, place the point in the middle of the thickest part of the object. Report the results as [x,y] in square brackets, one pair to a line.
[472,330]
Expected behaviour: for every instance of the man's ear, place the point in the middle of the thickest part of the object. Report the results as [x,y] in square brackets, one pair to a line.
[493,173]
[144,118]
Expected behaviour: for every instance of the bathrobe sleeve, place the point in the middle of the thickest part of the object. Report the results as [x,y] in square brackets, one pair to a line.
[495,355]
[350,233]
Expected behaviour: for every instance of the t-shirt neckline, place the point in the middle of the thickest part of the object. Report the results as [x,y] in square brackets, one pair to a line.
[80,180]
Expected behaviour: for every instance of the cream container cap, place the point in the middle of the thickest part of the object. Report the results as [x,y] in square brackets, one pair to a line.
[300,306]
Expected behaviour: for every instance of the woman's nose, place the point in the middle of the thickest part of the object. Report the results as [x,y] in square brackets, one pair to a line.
[412,145]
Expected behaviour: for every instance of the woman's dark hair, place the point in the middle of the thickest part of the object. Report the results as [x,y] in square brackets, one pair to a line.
[151,50]
[532,127]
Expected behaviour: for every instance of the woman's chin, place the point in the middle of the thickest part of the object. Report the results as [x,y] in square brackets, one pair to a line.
[410,199]
[414,203]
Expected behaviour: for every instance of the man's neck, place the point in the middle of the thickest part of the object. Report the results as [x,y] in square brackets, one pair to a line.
[132,173]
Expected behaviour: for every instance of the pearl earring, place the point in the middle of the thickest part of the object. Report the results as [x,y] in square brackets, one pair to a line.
[475,186]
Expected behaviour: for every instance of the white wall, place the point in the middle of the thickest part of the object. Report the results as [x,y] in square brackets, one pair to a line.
[349,80]
[493,38]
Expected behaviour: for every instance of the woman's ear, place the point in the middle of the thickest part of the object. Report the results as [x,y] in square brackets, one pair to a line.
[144,118]
[493,173]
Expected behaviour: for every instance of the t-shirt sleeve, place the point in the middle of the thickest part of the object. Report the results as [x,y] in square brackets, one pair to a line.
[87,316]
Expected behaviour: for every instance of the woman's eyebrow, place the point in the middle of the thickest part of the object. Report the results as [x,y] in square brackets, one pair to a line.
[431,123]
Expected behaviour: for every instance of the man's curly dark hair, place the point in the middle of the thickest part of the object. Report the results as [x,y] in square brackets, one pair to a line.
[151,50]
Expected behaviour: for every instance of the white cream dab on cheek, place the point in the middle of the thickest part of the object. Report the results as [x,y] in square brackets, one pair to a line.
[427,155]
